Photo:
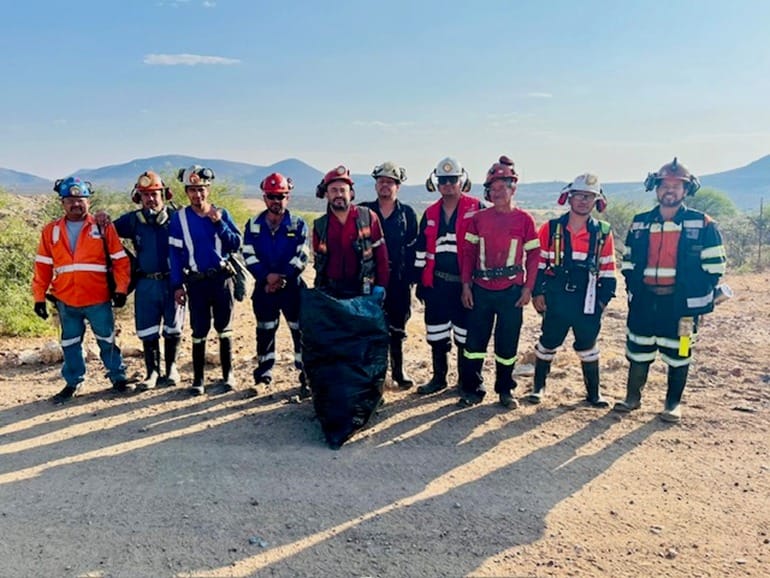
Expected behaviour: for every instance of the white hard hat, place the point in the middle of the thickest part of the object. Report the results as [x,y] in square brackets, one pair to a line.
[195,175]
[449,167]
[587,182]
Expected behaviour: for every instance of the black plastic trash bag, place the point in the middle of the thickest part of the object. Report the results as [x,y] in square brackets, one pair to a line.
[345,352]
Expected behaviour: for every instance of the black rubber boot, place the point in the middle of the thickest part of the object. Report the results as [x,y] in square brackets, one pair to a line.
[542,369]
[226,359]
[397,373]
[591,381]
[677,379]
[151,364]
[637,378]
[170,351]
[199,363]
[440,368]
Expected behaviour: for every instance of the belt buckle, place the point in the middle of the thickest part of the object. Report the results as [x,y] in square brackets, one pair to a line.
[570,287]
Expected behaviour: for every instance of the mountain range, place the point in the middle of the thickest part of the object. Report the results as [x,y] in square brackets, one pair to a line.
[746,185]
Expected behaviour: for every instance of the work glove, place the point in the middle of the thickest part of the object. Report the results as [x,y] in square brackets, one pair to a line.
[41,310]
[119,300]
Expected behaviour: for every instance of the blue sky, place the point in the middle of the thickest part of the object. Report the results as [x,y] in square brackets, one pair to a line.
[561,86]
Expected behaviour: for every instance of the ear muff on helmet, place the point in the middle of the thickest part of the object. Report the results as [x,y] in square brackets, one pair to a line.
[691,185]
[601,202]
[429,184]
[57,185]
[320,190]
[467,184]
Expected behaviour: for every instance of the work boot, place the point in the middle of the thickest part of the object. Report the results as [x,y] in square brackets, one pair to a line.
[591,381]
[508,401]
[170,350]
[440,368]
[397,373]
[262,375]
[542,369]
[122,386]
[677,379]
[199,363]
[64,395]
[637,377]
[151,364]
[226,359]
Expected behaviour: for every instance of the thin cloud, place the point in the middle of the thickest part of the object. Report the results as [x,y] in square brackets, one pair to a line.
[207,4]
[539,95]
[186,59]
[383,125]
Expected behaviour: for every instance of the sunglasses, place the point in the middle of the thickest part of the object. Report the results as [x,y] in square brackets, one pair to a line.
[448,180]
[271,197]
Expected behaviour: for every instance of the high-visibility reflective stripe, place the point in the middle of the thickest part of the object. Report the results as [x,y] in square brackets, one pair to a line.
[226,333]
[714,268]
[154,330]
[482,254]
[199,340]
[626,266]
[459,330]
[297,357]
[679,362]
[510,361]
[441,327]
[43,259]
[93,268]
[532,244]
[70,341]
[607,259]
[108,339]
[438,336]
[297,262]
[641,357]
[248,250]
[693,223]
[293,325]
[55,234]
[266,357]
[653,272]
[471,238]
[174,242]
[703,301]
[511,259]
[378,242]
[446,249]
[589,354]
[187,240]
[254,227]
[607,273]
[579,256]
[474,355]
[251,260]
[267,324]
[119,255]
[168,330]
[709,252]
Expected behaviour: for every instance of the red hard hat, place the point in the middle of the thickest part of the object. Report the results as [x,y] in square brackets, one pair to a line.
[340,173]
[276,183]
[503,169]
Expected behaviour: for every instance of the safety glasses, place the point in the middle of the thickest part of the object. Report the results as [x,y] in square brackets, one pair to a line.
[279,197]
[451,180]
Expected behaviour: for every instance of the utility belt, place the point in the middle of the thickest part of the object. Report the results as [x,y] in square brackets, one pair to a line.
[660,289]
[213,273]
[447,276]
[498,272]
[564,280]
[154,276]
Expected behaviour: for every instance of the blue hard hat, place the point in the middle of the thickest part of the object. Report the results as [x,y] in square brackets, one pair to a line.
[72,187]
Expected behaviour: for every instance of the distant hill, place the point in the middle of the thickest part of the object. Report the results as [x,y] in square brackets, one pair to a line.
[745,185]
[22,182]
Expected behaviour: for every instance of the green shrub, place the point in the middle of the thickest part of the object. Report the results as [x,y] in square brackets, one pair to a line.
[18,245]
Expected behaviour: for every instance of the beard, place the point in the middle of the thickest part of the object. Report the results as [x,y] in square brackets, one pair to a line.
[670,200]
[339,205]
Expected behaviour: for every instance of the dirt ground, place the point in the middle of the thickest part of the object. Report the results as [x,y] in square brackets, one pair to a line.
[160,484]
